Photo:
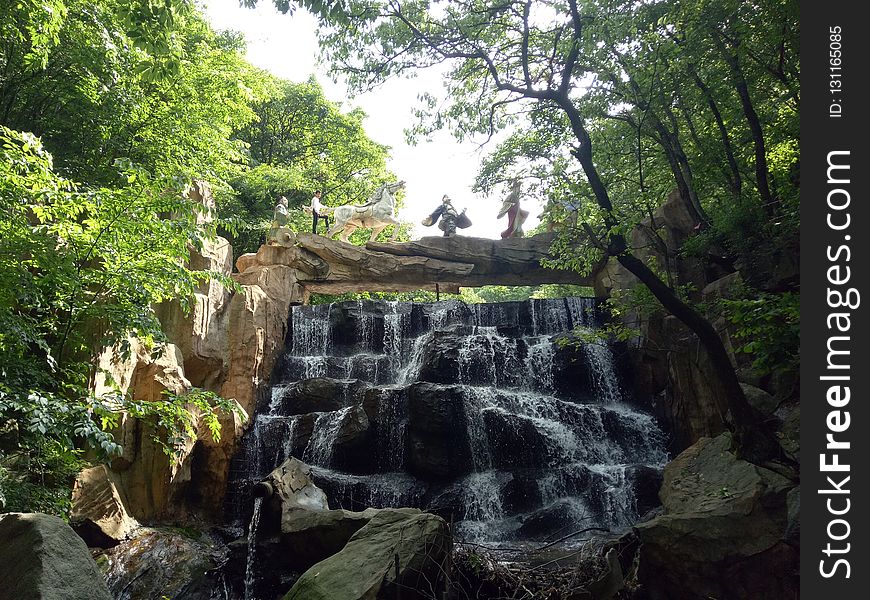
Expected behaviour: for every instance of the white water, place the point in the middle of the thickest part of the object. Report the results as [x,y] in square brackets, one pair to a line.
[252,549]
[322,442]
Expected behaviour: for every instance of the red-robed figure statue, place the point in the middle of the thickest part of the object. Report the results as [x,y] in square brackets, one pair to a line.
[516,216]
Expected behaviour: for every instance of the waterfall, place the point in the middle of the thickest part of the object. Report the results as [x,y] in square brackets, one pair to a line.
[391,432]
[409,372]
[473,412]
[322,442]
[539,362]
[310,334]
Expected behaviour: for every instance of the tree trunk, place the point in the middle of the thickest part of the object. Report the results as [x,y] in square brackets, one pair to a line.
[735,179]
[769,202]
[753,442]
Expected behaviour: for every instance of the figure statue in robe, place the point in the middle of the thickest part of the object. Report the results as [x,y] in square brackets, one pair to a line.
[516,215]
[280,218]
[449,218]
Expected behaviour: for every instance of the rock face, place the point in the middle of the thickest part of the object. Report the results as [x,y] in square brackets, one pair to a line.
[393,550]
[672,370]
[99,513]
[723,531]
[658,237]
[145,482]
[43,559]
[226,344]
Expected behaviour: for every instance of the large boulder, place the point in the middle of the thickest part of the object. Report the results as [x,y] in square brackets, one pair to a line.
[287,490]
[43,559]
[163,563]
[309,536]
[723,532]
[396,548]
[296,529]
[149,485]
[296,525]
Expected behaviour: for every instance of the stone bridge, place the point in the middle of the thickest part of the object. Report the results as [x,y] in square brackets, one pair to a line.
[322,265]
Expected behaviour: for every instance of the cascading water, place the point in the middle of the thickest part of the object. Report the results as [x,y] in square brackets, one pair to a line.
[252,549]
[472,412]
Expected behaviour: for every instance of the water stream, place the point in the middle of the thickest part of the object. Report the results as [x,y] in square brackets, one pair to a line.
[252,549]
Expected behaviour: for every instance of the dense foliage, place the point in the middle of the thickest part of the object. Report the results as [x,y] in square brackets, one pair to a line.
[108,111]
[299,143]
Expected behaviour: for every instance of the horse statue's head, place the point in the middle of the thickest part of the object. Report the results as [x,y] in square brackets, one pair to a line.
[386,191]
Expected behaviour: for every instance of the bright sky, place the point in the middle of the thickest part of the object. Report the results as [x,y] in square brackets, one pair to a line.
[285,45]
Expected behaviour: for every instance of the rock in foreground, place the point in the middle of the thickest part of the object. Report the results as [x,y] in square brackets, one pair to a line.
[43,559]
[366,566]
[723,534]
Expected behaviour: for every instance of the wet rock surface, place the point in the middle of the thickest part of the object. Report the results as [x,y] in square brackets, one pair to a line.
[724,531]
[172,562]
[395,550]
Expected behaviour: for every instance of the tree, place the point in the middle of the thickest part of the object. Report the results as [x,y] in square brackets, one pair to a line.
[302,142]
[107,109]
[571,66]
[80,270]
[159,89]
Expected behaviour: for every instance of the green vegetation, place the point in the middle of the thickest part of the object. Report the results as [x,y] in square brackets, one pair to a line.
[108,111]
[299,143]
[481,295]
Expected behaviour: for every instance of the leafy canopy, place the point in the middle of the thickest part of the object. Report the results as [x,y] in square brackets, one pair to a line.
[107,110]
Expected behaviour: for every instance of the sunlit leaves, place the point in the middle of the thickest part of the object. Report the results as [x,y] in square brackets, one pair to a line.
[30,29]
[178,418]
[80,268]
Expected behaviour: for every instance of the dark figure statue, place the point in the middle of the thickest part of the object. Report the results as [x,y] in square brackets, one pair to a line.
[449,218]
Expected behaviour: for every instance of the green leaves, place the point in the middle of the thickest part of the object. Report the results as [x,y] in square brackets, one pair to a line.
[80,269]
[33,26]
[300,143]
[767,329]
[177,418]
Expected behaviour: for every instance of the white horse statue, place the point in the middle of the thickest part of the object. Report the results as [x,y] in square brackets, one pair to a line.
[376,214]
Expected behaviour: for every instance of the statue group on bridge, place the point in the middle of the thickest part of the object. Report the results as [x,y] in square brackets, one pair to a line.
[377,215]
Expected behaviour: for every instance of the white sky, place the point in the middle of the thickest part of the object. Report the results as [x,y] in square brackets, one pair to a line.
[285,45]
